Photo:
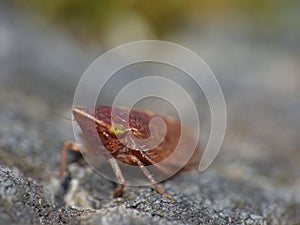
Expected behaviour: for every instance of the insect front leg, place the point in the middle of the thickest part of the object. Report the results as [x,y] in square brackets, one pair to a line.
[116,168]
[138,162]
[68,145]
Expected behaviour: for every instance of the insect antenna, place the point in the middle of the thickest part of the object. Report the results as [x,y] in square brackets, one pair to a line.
[62,116]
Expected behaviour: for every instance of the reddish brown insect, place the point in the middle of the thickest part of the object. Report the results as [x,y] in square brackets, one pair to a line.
[99,119]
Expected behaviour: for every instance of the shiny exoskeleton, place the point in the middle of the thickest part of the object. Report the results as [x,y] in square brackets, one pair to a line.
[96,127]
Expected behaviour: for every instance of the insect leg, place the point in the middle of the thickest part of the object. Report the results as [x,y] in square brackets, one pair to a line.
[115,166]
[134,159]
[68,145]
[153,162]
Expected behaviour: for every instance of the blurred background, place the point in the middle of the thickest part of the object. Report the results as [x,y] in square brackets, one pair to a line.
[253,47]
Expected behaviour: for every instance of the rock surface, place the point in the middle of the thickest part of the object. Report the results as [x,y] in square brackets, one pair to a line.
[255,179]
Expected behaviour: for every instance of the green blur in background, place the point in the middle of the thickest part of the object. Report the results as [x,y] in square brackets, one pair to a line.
[113,22]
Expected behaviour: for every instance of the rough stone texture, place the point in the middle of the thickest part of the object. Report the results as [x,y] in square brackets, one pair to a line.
[23,201]
[255,179]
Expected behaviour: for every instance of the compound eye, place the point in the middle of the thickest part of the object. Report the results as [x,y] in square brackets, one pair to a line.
[117,130]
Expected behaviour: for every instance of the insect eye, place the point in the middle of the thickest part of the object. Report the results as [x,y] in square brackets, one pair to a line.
[117,129]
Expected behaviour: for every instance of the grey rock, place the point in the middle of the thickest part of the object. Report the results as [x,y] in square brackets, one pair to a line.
[23,201]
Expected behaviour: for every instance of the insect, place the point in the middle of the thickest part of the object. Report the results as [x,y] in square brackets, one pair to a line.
[95,124]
